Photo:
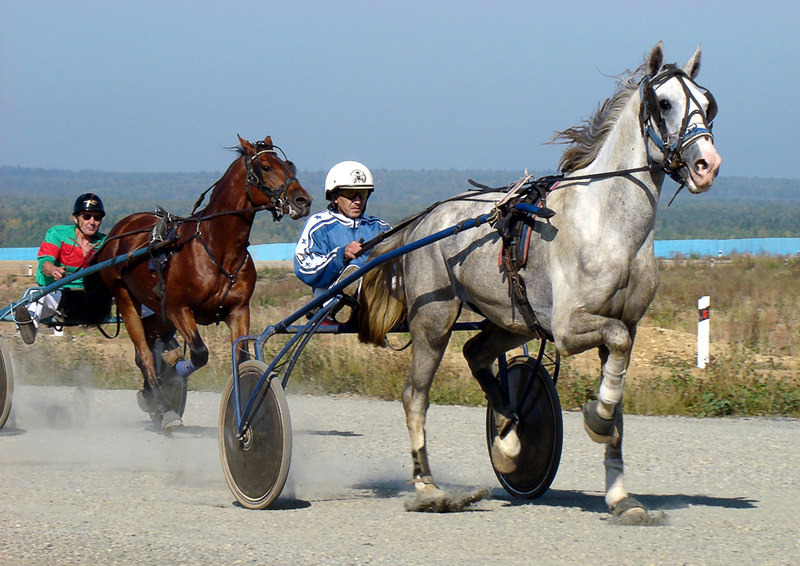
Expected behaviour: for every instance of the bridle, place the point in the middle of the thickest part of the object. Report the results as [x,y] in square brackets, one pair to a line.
[654,127]
[255,178]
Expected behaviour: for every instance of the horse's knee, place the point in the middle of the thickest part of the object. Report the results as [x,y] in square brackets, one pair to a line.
[617,338]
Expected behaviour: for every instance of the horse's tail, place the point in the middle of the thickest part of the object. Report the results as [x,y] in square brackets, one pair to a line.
[382,299]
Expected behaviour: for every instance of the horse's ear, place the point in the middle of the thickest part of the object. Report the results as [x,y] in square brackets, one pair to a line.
[655,59]
[268,141]
[692,66]
[246,145]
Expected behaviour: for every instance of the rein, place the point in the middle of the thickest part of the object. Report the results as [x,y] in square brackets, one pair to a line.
[485,189]
[369,244]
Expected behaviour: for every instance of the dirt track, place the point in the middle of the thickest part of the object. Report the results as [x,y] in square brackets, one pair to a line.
[85,478]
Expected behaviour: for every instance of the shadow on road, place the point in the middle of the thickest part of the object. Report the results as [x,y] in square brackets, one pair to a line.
[595,502]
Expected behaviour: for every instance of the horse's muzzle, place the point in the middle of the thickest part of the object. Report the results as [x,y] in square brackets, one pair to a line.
[298,207]
[701,167]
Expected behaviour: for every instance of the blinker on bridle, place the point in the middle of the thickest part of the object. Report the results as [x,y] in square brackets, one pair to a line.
[650,113]
[255,178]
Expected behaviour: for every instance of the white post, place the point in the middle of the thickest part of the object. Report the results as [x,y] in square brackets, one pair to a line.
[30,270]
[703,327]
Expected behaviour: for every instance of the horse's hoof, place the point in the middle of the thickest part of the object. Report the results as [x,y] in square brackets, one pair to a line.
[170,420]
[627,505]
[629,511]
[505,452]
[502,463]
[424,484]
[600,430]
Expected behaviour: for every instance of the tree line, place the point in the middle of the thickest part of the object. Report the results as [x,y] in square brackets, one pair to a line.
[32,200]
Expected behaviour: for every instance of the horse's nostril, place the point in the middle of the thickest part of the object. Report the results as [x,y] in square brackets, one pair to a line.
[701,165]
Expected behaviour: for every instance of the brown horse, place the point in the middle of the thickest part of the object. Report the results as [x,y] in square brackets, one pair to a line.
[207,275]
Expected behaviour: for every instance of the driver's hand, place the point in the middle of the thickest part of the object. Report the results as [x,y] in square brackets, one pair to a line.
[351,250]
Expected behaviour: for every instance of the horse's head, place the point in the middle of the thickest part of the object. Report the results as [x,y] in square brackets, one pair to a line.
[676,117]
[273,178]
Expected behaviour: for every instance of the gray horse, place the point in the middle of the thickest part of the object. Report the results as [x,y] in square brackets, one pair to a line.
[591,271]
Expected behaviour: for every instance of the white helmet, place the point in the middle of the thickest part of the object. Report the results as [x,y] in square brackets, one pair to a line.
[348,175]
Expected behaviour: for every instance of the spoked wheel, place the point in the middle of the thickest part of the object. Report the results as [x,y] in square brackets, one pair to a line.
[173,386]
[6,382]
[257,465]
[540,429]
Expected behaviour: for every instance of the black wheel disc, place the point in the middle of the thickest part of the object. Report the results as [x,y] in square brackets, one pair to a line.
[540,429]
[257,465]
[6,382]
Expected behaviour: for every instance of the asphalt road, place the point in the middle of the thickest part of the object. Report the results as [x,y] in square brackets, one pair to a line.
[86,479]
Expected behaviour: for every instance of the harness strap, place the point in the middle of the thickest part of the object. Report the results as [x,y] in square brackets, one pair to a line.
[519,294]
[515,216]
[230,276]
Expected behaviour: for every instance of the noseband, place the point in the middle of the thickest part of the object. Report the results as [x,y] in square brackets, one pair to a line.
[650,114]
[255,178]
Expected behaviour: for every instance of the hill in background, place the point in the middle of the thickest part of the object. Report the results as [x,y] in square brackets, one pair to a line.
[31,200]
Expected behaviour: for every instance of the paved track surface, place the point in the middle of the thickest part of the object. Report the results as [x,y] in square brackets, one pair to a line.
[86,479]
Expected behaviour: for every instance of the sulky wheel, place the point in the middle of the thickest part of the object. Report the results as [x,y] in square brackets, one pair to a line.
[6,382]
[257,465]
[540,429]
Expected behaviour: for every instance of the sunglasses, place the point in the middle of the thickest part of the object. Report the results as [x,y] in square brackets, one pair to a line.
[351,194]
[87,216]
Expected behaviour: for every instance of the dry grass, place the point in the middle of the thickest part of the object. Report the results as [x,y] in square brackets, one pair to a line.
[755,301]
[755,339]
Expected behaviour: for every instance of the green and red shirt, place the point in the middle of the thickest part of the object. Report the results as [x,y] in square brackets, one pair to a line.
[61,248]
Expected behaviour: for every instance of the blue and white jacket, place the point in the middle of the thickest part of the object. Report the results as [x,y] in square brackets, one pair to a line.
[319,256]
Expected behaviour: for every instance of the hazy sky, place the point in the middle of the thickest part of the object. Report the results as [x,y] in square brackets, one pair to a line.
[166,85]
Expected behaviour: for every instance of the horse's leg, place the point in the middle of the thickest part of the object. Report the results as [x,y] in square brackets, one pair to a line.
[183,319]
[603,418]
[144,355]
[480,352]
[238,322]
[430,342]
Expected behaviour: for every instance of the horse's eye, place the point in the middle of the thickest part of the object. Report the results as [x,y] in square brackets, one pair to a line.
[665,105]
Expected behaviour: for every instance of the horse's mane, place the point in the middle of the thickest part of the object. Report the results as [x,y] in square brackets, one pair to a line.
[587,139]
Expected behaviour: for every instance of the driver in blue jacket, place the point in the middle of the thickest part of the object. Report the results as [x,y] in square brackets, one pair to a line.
[331,239]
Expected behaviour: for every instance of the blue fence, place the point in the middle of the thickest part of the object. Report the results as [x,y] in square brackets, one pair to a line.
[754,246]
[663,248]
[261,252]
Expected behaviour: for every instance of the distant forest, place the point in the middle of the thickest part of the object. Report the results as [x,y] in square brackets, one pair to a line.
[31,200]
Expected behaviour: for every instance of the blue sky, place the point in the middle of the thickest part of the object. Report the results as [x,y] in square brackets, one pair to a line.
[165,86]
